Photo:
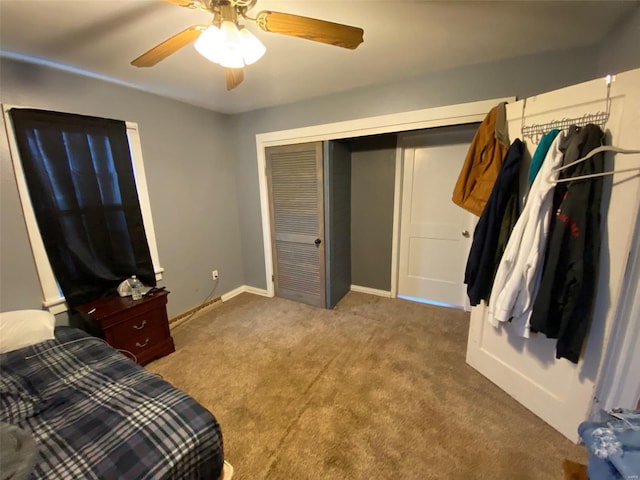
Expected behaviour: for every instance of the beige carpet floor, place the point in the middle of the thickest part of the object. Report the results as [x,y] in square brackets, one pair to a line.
[376,388]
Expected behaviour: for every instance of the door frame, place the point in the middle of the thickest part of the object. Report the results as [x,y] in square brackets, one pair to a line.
[461,113]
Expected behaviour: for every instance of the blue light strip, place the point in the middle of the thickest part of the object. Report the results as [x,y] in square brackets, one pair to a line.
[431,302]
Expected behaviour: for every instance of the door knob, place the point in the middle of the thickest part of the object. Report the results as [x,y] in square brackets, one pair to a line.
[465,234]
[318,242]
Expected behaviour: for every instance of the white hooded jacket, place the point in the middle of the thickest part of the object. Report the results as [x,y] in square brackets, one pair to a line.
[518,276]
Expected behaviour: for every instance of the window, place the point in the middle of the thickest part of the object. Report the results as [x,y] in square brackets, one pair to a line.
[53,299]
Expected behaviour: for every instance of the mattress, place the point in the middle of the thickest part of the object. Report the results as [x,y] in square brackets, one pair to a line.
[94,414]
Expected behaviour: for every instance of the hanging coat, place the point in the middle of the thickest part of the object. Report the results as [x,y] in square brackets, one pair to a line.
[495,224]
[541,152]
[483,162]
[564,305]
[519,272]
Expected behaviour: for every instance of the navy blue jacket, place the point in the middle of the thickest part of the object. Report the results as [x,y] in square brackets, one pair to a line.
[496,218]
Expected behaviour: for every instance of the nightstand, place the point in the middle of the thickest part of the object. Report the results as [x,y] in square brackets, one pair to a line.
[137,327]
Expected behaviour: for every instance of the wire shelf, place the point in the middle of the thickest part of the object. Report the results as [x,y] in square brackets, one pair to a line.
[536,131]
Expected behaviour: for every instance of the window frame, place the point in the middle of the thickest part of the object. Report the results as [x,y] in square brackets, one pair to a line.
[53,300]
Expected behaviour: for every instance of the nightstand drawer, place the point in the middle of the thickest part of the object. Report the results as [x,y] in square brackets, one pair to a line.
[137,325]
[140,342]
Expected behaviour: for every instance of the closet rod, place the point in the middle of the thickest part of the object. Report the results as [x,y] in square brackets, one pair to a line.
[535,131]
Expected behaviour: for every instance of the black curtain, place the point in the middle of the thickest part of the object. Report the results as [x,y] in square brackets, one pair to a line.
[80,179]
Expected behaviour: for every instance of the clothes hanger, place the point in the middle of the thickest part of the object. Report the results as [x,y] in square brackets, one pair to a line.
[603,148]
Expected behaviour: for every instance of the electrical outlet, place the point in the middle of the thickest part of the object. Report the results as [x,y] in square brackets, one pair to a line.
[214,274]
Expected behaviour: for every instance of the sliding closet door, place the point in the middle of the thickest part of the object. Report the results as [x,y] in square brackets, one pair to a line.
[558,391]
[435,234]
[295,181]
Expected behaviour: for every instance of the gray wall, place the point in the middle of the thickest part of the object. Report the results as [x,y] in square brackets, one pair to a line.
[620,50]
[373,165]
[523,76]
[189,162]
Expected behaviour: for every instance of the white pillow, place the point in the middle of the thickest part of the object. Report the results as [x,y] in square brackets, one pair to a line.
[22,328]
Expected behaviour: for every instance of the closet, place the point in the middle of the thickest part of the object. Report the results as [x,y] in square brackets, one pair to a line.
[331,227]
[372,195]
[560,392]
[354,227]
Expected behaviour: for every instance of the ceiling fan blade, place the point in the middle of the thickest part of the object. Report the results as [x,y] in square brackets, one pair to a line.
[310,28]
[235,76]
[168,47]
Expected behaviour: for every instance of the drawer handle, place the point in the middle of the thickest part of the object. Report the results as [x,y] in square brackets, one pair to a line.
[142,345]
[141,326]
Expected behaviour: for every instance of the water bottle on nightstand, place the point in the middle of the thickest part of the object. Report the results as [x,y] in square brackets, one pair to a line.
[136,288]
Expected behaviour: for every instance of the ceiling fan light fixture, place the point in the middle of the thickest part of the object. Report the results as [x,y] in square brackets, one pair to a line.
[228,46]
[221,45]
[252,48]
[231,59]
[231,47]
[209,44]
[230,34]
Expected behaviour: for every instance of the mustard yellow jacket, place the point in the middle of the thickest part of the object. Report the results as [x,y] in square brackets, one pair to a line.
[482,164]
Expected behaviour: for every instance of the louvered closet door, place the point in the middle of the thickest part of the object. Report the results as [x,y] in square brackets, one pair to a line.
[294,173]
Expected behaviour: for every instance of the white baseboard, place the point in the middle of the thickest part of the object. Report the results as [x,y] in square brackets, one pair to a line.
[264,293]
[179,319]
[371,291]
[245,289]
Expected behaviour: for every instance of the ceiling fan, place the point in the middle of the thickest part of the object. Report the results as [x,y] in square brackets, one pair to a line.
[228,43]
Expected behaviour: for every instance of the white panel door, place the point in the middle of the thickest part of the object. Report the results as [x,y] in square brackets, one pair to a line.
[435,234]
[558,391]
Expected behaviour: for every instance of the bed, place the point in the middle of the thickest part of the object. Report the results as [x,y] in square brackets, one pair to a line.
[94,414]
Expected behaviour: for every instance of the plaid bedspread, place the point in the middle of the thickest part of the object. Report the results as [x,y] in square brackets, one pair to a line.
[96,415]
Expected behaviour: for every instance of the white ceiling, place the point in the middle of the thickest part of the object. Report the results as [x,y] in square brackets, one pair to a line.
[402,39]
